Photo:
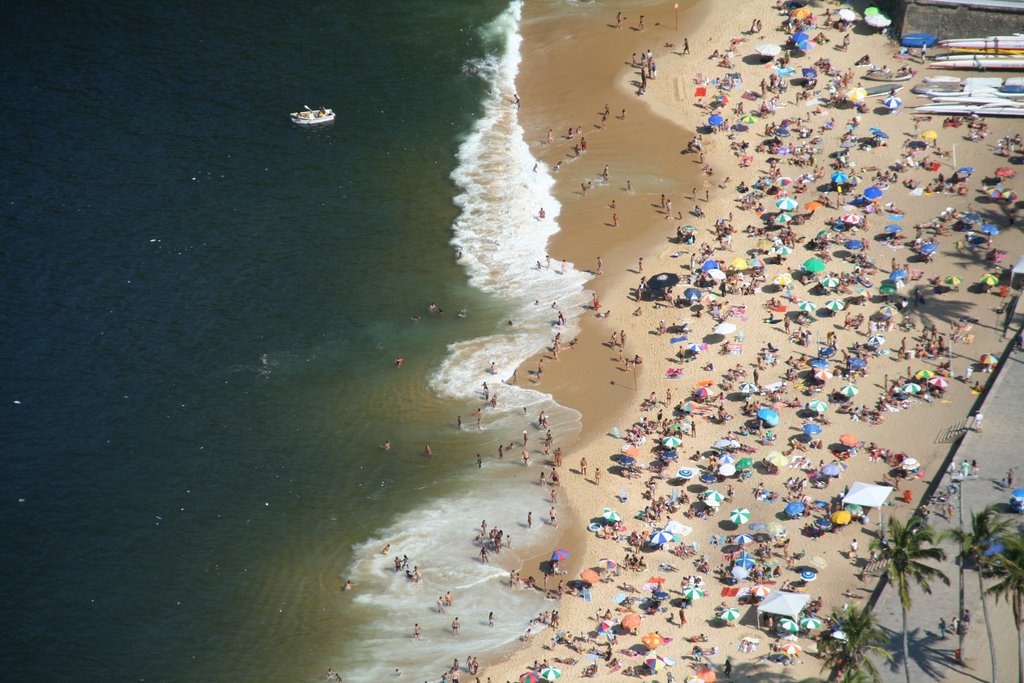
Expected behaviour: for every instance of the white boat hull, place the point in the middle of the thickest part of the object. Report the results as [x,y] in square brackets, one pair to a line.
[312,118]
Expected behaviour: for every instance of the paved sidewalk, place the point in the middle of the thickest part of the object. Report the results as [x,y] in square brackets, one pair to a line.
[997,448]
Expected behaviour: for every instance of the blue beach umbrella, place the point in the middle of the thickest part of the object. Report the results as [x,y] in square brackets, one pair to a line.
[710,264]
[627,461]
[838,177]
[659,595]
[745,562]
[660,537]
[770,417]
[800,37]
[826,352]
[811,429]
[853,245]
[559,555]
[715,120]
[743,539]
[691,294]
[893,229]
[929,248]
[795,508]
[893,102]
[818,363]
[831,470]
[1017,493]
[809,72]
[858,363]
[966,170]
[745,556]
[879,133]
[872,193]
[989,229]
[898,274]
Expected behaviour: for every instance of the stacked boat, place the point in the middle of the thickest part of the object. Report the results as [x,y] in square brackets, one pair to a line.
[984,96]
[1013,44]
[994,52]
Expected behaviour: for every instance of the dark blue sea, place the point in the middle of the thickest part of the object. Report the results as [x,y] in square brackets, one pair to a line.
[202,303]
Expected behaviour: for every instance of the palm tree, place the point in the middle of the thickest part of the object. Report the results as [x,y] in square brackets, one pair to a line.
[905,552]
[863,637]
[1009,569]
[986,526]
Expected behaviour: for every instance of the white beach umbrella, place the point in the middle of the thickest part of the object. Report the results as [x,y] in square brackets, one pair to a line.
[849,390]
[748,388]
[740,516]
[835,304]
[847,14]
[768,49]
[877,20]
[725,328]
[717,274]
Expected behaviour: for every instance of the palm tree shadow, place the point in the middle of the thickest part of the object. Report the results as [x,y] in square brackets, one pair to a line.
[930,654]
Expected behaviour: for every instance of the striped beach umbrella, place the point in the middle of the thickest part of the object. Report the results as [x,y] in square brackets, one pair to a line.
[887,311]
[529,677]
[672,441]
[783,279]
[783,250]
[857,95]
[655,663]
[829,282]
[550,673]
[740,516]
[954,280]
[704,392]
[989,279]
[783,218]
[892,102]
[849,390]
[835,304]
[911,388]
[714,495]
[660,537]
[851,219]
[786,204]
[822,375]
[807,306]
[606,627]
[791,650]
[789,625]
[610,515]
[989,359]
[817,406]
[749,119]
[748,388]
[729,614]
[743,539]
[692,593]
[939,382]
[924,374]
[760,590]
[605,563]
[876,340]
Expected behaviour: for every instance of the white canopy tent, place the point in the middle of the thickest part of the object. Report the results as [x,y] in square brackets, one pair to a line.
[867,495]
[783,603]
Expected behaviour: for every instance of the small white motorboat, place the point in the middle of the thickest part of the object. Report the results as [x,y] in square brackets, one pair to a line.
[312,117]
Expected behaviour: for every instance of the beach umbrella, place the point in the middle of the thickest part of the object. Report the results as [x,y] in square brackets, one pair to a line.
[898,274]
[716,274]
[710,264]
[789,625]
[928,248]
[809,72]
[924,374]
[1009,196]
[877,20]
[605,563]
[806,45]
[893,229]
[911,388]
[876,340]
[590,576]
[630,621]
[729,614]
[610,515]
[743,539]
[795,508]
[888,287]
[839,177]
[1005,172]
[691,294]
[692,593]
[811,429]
[655,663]
[1017,493]
[829,281]
[910,464]
[929,135]
[786,204]
[694,347]
[559,555]
[851,219]
[989,229]
[745,463]
[849,390]
[529,677]
[892,102]
[846,14]
[853,245]
[856,95]
[858,363]
[813,206]
[738,263]
[748,388]
[822,375]
[764,244]
[652,640]
[714,495]
[660,537]
[782,250]
[777,459]
[783,279]
[704,392]
[791,650]
[724,328]
[769,416]
[799,37]
[627,461]
[768,49]
[727,470]
[879,133]
[550,673]
[783,218]
[755,263]
[854,509]
[672,441]
[842,517]
[727,459]
[801,12]
[686,473]
[989,359]
[739,572]
[749,119]
[715,120]
[813,265]
[726,443]
[989,279]
[835,304]
[740,516]
[760,590]
[939,382]
[831,470]
[887,311]
[817,406]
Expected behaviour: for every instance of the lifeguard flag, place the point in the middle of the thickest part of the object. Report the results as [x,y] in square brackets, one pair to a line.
[700,92]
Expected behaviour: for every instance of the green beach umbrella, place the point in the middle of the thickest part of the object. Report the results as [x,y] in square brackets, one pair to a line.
[672,441]
[818,406]
[807,306]
[729,614]
[611,515]
[550,673]
[814,265]
[854,509]
[829,281]
[849,390]
[911,388]
[692,593]
[783,250]
[811,622]
[953,280]
[924,374]
[783,218]
[835,304]
[887,288]
[740,516]
[749,119]
[872,10]
[989,279]
[744,463]
[713,495]
[789,625]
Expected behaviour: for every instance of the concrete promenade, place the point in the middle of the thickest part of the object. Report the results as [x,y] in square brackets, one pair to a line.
[997,447]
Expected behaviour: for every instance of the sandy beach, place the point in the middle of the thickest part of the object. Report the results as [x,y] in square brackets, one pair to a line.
[899,358]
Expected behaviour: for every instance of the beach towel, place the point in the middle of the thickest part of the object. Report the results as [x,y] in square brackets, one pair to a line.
[700,92]
[586,595]
[730,592]
[677,340]
[619,598]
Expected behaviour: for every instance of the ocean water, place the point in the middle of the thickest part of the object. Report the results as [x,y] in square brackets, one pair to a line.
[202,304]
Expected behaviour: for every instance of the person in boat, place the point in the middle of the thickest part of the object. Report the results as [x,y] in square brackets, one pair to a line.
[322,112]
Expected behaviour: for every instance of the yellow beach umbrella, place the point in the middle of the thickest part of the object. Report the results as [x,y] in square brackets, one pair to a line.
[858,95]
[738,263]
[801,12]
[989,279]
[929,135]
[783,279]
[953,280]
[778,459]
[841,517]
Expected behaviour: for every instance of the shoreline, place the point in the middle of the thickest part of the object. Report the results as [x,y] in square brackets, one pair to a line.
[588,378]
